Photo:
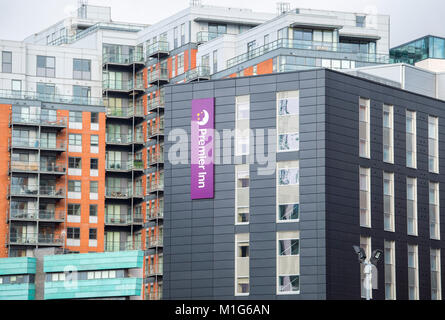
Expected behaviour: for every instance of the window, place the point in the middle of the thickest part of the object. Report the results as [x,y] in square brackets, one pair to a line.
[388,201]
[94,185]
[74,186]
[205,60]
[433,144]
[182,34]
[288,212]
[16,86]
[94,140]
[411,143]
[81,95]
[434,209]
[307,35]
[413,273]
[266,39]
[288,176]
[94,117]
[411,205]
[73,209]
[250,46]
[360,21]
[94,164]
[46,66]
[436,288]
[93,234]
[215,30]
[242,197]
[175,32]
[74,163]
[284,34]
[288,121]
[181,63]
[215,61]
[93,210]
[81,69]
[390,270]
[73,233]
[364,128]
[388,134]
[75,139]
[365,197]
[242,264]
[288,257]
[6,61]
[242,126]
[75,116]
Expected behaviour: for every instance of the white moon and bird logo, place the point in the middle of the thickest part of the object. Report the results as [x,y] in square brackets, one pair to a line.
[204,115]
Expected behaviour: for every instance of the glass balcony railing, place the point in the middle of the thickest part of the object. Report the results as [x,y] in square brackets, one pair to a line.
[52,167]
[119,58]
[154,295]
[113,246]
[154,269]
[205,36]
[344,48]
[159,47]
[127,112]
[155,241]
[198,73]
[47,215]
[156,102]
[114,138]
[123,85]
[156,75]
[157,185]
[124,165]
[156,157]
[116,192]
[156,213]
[25,166]
[17,118]
[156,128]
[34,190]
[35,239]
[53,98]
[38,143]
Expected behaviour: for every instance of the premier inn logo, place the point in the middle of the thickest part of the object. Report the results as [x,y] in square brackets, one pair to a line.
[204,115]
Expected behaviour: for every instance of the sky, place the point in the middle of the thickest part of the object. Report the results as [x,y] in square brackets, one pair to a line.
[409,19]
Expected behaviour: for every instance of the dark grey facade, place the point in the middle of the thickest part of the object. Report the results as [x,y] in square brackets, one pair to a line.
[199,235]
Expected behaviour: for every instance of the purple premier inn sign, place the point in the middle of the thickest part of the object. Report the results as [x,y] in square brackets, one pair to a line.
[202,166]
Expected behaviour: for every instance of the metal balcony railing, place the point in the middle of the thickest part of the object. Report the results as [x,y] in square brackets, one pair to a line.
[53,98]
[47,215]
[156,102]
[156,128]
[156,157]
[156,241]
[35,239]
[113,246]
[205,36]
[34,191]
[155,270]
[198,73]
[159,47]
[344,48]
[119,58]
[160,74]
[16,118]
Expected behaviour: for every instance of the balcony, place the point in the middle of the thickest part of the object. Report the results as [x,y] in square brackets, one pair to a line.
[119,139]
[37,120]
[124,166]
[123,220]
[201,73]
[114,246]
[154,296]
[36,191]
[36,239]
[158,77]
[156,128]
[344,50]
[157,186]
[33,167]
[155,270]
[139,138]
[123,86]
[153,242]
[51,98]
[43,144]
[117,193]
[33,215]
[53,168]
[156,103]
[158,50]
[155,214]
[123,59]
[156,158]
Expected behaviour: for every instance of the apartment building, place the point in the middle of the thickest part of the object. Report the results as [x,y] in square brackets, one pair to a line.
[105,80]
[357,163]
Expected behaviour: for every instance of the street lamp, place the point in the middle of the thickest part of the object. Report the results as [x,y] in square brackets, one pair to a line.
[368,266]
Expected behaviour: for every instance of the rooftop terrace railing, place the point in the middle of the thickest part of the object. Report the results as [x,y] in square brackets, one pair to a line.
[52,98]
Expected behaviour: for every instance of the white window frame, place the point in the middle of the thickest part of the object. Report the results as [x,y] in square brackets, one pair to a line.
[364,103]
[390,110]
